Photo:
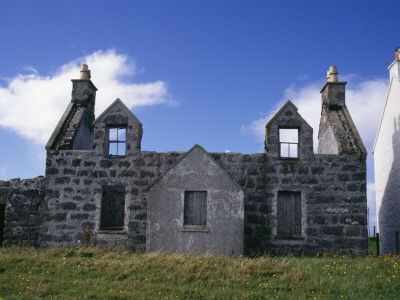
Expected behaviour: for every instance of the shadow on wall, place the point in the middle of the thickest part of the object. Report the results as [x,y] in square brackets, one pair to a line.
[389,212]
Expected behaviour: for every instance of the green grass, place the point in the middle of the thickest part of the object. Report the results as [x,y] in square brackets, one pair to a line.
[73,273]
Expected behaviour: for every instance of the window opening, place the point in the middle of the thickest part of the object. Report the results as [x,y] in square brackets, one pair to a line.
[116,141]
[112,208]
[288,143]
[2,220]
[289,213]
[195,208]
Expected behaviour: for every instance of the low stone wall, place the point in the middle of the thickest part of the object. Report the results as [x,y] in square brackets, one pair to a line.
[23,216]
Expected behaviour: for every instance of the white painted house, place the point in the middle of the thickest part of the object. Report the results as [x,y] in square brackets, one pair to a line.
[387,164]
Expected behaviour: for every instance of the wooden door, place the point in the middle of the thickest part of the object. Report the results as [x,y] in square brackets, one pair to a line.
[289,213]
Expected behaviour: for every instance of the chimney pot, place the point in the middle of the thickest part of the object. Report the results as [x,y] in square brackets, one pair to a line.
[85,72]
[332,74]
[397,53]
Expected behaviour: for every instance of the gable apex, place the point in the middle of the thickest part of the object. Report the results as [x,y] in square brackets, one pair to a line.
[288,103]
[119,102]
[392,81]
[184,156]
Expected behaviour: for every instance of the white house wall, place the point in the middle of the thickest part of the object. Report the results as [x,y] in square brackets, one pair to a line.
[387,169]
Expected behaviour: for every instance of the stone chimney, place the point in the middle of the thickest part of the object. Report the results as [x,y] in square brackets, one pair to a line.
[83,89]
[75,130]
[333,92]
[394,68]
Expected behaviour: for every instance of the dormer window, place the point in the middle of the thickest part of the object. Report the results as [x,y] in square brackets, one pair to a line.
[288,143]
[117,141]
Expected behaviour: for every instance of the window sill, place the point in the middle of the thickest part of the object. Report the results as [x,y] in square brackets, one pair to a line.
[105,231]
[289,158]
[289,237]
[195,228]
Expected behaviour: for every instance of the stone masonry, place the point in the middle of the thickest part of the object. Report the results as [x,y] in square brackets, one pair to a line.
[331,184]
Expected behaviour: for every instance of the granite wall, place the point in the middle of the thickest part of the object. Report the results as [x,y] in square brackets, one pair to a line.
[23,201]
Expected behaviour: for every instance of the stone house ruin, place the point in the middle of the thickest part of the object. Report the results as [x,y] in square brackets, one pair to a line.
[285,200]
[387,168]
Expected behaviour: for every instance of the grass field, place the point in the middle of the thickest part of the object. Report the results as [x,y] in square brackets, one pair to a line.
[74,273]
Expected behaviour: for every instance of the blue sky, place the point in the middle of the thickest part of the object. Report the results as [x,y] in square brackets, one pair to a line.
[206,72]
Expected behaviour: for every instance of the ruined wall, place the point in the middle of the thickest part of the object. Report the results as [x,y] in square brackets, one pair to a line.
[74,192]
[333,193]
[23,217]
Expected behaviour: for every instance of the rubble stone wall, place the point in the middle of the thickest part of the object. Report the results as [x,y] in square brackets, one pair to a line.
[332,187]
[23,213]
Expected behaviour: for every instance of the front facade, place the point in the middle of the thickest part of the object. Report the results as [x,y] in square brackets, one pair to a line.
[285,200]
[386,161]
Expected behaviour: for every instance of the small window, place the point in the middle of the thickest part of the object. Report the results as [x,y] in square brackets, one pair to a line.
[288,143]
[195,208]
[116,141]
[289,213]
[112,208]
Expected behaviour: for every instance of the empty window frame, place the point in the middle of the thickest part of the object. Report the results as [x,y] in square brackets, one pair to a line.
[117,141]
[289,213]
[288,142]
[112,208]
[195,208]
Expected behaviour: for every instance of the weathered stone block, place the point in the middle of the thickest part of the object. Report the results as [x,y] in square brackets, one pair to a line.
[82,173]
[69,171]
[106,163]
[68,206]
[343,177]
[332,230]
[62,180]
[76,162]
[59,217]
[89,207]
[79,216]
[52,171]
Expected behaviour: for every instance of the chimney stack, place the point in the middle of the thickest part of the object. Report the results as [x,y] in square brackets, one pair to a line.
[333,93]
[85,72]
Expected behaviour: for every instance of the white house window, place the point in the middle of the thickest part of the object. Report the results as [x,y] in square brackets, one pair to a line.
[289,142]
[116,141]
[195,208]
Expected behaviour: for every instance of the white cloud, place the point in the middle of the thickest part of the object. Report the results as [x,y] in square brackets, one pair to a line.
[32,104]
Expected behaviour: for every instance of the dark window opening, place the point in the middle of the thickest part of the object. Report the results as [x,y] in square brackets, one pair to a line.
[2,219]
[289,213]
[112,208]
[116,141]
[289,142]
[195,208]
